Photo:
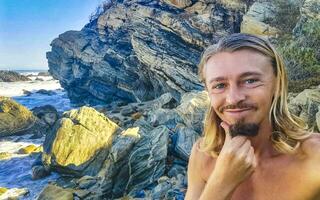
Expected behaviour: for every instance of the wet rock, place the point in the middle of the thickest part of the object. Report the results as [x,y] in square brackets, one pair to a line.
[30,149]
[39,172]
[48,114]
[3,190]
[39,79]
[13,193]
[52,192]
[26,92]
[5,155]
[46,92]
[44,73]
[11,76]
[16,119]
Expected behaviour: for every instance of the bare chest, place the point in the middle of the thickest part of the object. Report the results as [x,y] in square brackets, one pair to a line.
[276,181]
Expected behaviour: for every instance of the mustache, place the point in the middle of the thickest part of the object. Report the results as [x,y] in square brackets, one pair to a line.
[238,106]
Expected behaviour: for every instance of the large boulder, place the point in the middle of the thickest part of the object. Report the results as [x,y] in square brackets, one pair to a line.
[136,160]
[16,119]
[79,142]
[53,192]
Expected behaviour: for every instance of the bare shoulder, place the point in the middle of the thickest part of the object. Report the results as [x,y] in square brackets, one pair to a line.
[200,156]
[311,145]
[196,182]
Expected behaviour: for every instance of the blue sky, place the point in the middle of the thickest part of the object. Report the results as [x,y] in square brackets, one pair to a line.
[27,28]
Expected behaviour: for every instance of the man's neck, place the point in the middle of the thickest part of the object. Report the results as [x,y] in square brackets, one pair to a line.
[262,144]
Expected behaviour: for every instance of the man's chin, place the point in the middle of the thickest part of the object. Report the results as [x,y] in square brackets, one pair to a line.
[241,127]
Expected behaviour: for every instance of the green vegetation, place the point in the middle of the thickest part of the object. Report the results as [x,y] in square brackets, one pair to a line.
[302,55]
[286,15]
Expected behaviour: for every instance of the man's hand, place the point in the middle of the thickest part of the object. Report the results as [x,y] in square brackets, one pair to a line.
[236,160]
[235,163]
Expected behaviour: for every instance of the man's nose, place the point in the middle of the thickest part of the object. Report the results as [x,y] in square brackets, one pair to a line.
[234,96]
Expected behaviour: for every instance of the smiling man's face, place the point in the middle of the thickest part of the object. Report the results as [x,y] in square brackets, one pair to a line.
[241,86]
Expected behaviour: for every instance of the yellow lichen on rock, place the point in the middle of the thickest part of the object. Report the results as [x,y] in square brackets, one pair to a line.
[14,117]
[81,136]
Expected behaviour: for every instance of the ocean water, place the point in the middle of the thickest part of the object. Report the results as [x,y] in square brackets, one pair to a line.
[15,172]
[16,90]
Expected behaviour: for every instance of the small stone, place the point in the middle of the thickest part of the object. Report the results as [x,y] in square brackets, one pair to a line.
[5,155]
[136,115]
[30,149]
[3,190]
[39,172]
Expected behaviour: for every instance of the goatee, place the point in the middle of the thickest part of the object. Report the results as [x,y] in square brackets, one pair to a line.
[244,129]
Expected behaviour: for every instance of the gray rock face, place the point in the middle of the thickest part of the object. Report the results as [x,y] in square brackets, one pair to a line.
[137,50]
[11,76]
[306,105]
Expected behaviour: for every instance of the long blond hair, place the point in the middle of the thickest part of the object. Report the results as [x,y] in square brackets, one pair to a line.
[288,129]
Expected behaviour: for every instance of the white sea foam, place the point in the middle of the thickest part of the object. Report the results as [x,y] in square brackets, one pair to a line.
[12,89]
[15,172]
[18,90]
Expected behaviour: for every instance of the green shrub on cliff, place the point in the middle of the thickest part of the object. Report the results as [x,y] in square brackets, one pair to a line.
[302,55]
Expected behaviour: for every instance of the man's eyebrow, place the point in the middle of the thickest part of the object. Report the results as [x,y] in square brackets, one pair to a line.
[245,74]
[220,78]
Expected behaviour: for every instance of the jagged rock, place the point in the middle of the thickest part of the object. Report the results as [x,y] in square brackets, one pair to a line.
[79,142]
[39,171]
[86,182]
[30,149]
[13,193]
[135,51]
[184,139]
[26,92]
[44,73]
[5,155]
[311,9]
[179,3]
[16,119]
[39,79]
[192,108]
[11,76]
[255,21]
[136,160]
[52,192]
[46,92]
[306,106]
[48,114]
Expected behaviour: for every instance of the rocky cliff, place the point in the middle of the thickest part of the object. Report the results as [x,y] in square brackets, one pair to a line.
[135,51]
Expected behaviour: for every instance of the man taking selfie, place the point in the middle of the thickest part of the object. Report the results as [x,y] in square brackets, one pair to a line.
[252,147]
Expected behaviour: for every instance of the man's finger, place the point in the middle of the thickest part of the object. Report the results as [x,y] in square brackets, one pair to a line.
[226,128]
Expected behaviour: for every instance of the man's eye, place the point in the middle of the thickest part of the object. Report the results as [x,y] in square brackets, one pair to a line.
[250,81]
[219,86]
